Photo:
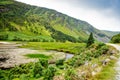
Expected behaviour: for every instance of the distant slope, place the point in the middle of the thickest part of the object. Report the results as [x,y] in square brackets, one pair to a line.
[24,22]
[110,33]
[116,38]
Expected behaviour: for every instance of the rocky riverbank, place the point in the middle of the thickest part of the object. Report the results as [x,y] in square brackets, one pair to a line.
[11,55]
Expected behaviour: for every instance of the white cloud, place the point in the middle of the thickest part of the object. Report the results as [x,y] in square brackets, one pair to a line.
[103,20]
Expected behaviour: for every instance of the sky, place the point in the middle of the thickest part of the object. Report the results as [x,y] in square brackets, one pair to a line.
[102,14]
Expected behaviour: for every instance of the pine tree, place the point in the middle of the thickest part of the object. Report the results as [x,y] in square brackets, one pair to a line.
[90,40]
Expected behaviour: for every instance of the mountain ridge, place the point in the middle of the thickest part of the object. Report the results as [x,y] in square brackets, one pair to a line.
[44,24]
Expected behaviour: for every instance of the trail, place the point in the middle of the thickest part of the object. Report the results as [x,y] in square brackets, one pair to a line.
[117,67]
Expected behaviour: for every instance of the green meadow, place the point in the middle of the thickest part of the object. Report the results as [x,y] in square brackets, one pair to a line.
[58,46]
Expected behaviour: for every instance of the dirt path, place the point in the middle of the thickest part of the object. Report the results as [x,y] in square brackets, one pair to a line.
[117,67]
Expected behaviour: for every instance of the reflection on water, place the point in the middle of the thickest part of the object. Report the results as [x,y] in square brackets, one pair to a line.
[68,56]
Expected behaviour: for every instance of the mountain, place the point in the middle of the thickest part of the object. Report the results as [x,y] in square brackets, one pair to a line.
[23,22]
[116,38]
[110,33]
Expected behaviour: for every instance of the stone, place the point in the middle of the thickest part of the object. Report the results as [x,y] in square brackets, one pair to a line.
[94,65]
[106,61]
[86,63]
[112,52]
[93,73]
[113,57]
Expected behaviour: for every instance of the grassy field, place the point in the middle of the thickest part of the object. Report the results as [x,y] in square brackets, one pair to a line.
[5,2]
[65,47]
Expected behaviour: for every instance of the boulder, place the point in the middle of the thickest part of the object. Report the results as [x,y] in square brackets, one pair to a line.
[3,57]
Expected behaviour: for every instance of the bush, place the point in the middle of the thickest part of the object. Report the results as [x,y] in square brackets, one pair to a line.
[37,70]
[24,77]
[1,75]
[104,49]
[60,62]
[70,74]
[49,73]
[93,51]
[43,62]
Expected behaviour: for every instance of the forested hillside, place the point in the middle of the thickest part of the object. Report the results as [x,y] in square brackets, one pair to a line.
[22,22]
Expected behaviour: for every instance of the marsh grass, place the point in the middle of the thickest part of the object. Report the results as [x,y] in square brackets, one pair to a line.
[58,46]
[37,56]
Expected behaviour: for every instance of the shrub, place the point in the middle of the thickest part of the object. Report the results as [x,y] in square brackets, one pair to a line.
[49,73]
[37,70]
[43,62]
[104,49]
[93,51]
[60,62]
[1,75]
[69,74]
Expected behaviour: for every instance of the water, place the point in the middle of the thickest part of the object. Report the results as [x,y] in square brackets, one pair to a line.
[68,56]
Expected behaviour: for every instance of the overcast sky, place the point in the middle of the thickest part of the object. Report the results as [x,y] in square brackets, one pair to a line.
[102,14]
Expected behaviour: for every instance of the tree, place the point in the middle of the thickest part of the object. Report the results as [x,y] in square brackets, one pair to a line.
[90,40]
[116,38]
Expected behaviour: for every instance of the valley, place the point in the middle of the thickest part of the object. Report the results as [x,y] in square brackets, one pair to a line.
[38,43]
[23,22]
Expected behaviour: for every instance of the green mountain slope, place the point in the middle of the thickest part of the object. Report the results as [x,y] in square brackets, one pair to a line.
[19,21]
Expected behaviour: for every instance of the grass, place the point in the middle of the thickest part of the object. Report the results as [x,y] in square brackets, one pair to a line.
[107,73]
[24,36]
[5,2]
[37,56]
[64,47]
